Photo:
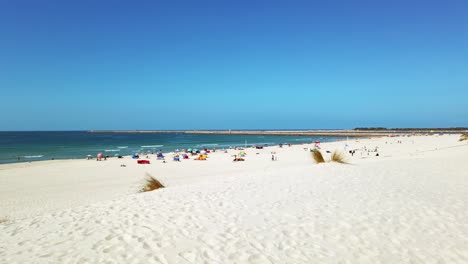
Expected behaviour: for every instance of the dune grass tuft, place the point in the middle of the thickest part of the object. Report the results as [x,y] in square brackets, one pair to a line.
[317,155]
[464,137]
[339,157]
[151,184]
[3,220]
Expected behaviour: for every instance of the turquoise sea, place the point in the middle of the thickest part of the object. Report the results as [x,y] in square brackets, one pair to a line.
[33,146]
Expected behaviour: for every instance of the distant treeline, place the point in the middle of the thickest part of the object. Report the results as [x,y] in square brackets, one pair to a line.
[413,129]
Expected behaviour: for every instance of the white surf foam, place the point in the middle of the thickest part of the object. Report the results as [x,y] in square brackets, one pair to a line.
[33,156]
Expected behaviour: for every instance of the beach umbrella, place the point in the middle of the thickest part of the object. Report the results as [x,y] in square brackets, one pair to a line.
[99,155]
[189,150]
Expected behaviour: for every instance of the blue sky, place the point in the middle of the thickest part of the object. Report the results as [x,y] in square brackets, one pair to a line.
[72,65]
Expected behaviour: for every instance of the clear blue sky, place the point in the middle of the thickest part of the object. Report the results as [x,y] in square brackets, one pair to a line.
[72,65]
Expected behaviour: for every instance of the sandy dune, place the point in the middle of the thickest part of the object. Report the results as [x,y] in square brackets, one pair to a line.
[406,206]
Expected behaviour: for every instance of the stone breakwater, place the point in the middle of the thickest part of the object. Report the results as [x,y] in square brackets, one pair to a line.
[350,133]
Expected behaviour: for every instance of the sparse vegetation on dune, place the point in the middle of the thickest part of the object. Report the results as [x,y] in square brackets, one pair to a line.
[338,156]
[317,155]
[3,220]
[464,137]
[151,184]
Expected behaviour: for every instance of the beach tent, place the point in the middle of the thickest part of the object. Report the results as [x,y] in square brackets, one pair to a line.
[201,157]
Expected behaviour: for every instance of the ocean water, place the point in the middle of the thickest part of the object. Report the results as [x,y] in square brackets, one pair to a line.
[33,146]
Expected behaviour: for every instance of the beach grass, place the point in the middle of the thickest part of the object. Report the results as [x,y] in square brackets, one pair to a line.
[317,155]
[463,137]
[339,157]
[151,184]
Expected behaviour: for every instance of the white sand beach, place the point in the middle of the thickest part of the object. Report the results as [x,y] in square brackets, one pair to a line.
[407,205]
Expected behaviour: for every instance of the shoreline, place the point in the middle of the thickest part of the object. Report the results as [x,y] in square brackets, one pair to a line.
[144,154]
